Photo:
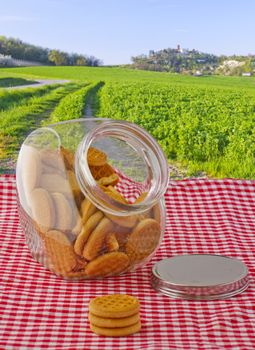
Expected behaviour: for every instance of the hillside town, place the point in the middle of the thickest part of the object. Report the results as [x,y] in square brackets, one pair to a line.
[185,61]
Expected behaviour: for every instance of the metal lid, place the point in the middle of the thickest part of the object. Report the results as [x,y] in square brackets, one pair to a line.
[200,277]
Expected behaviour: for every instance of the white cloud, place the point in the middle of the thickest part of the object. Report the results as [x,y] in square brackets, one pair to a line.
[13,18]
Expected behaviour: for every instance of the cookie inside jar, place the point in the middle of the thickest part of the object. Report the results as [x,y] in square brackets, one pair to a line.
[94,209]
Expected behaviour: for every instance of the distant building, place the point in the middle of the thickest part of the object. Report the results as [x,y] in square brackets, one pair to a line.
[246,74]
[198,73]
[179,49]
[8,61]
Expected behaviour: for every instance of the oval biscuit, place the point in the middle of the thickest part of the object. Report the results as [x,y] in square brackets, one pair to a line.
[42,208]
[107,265]
[63,212]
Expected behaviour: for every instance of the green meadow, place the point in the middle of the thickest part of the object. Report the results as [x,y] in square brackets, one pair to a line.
[204,124]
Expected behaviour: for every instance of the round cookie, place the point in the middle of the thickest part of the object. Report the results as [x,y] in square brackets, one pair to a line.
[113,322]
[101,171]
[116,332]
[143,240]
[96,239]
[107,265]
[114,305]
[63,212]
[96,157]
[111,180]
[42,208]
[60,252]
[89,226]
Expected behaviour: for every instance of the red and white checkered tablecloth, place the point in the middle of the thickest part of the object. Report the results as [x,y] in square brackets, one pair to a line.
[42,311]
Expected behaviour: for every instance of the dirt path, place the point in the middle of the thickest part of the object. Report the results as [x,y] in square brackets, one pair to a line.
[39,82]
[175,172]
[8,165]
[88,112]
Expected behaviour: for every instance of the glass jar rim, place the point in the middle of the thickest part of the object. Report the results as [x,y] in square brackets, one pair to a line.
[151,151]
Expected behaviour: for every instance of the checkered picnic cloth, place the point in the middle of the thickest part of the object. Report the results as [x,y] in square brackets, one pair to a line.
[42,311]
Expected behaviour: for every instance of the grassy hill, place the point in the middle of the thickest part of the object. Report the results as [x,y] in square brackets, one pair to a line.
[204,124]
[124,74]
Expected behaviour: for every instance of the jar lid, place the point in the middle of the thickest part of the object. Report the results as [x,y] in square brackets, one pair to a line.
[200,277]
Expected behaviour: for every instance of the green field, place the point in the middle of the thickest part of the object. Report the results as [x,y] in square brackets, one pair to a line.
[204,124]
[10,82]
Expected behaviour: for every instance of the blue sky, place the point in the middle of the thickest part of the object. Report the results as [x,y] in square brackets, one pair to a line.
[115,30]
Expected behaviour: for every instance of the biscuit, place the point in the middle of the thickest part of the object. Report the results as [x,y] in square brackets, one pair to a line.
[52,158]
[157,213]
[76,191]
[96,239]
[80,264]
[143,240]
[72,181]
[60,252]
[121,234]
[109,180]
[147,213]
[114,305]
[113,193]
[75,275]
[113,322]
[87,209]
[89,226]
[111,243]
[125,221]
[101,171]
[108,264]
[63,212]
[31,169]
[76,230]
[68,157]
[55,183]
[42,208]
[50,170]
[141,198]
[96,157]
[116,332]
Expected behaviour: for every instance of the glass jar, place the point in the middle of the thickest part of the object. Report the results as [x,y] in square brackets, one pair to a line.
[91,196]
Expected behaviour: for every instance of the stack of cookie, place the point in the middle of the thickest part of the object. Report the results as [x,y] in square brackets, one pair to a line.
[114,315]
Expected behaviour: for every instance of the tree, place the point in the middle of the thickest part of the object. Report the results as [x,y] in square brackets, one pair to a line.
[81,61]
[57,57]
[24,51]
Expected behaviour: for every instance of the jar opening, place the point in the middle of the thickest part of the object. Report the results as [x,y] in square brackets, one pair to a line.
[135,157]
